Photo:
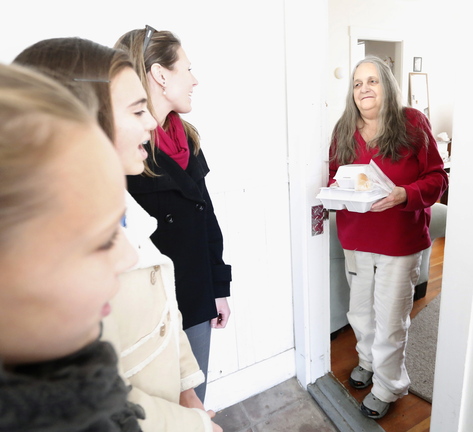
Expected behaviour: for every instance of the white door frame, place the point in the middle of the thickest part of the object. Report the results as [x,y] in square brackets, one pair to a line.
[453,383]
[306,51]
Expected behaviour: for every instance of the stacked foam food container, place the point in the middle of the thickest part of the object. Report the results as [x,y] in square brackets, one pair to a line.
[359,187]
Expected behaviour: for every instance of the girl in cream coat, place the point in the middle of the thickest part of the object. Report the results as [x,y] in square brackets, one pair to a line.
[146,331]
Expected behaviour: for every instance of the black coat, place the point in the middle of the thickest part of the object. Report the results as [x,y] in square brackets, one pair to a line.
[188,232]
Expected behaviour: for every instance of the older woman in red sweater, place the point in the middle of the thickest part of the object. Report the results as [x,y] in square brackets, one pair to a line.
[383,247]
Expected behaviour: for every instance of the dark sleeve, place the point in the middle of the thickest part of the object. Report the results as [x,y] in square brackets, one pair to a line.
[221,272]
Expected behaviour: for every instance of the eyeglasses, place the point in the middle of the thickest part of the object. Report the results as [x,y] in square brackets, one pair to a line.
[148,33]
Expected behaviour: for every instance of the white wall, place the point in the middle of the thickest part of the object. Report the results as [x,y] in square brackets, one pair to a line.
[239,108]
[453,395]
[306,46]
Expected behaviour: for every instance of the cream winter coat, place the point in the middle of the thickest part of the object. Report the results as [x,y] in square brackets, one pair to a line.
[145,327]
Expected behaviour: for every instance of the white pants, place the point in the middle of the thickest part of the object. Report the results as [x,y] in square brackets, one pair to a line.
[381,299]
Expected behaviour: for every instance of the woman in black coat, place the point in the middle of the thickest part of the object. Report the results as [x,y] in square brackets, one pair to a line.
[173,190]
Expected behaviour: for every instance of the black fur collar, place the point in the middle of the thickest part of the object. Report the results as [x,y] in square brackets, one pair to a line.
[78,393]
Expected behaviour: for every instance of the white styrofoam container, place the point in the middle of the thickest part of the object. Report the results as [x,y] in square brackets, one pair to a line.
[336,198]
[346,174]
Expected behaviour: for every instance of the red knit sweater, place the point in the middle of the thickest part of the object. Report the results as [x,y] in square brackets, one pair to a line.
[401,230]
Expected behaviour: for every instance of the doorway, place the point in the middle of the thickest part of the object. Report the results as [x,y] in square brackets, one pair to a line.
[389,52]
[387,45]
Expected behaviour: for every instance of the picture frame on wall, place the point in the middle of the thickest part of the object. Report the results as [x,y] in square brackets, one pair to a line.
[417,64]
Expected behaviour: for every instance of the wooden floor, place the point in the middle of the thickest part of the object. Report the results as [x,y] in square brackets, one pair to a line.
[411,413]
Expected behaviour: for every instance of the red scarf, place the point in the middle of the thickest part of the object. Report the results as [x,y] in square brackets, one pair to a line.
[173,141]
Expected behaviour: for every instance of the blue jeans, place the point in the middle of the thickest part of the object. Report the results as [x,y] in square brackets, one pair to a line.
[199,338]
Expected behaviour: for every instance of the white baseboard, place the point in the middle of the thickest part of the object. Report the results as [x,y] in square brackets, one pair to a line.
[241,385]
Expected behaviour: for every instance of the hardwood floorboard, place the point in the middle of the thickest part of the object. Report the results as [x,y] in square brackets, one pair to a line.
[423,426]
[411,413]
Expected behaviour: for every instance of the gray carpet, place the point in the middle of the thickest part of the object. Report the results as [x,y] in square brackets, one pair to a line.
[421,349]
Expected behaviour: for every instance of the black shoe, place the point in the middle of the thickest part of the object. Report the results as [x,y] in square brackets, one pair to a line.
[373,407]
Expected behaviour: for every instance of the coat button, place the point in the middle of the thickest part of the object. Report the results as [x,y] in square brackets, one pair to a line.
[199,207]
[153,275]
[169,218]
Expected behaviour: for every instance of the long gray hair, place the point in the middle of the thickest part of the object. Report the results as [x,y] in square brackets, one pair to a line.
[391,135]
